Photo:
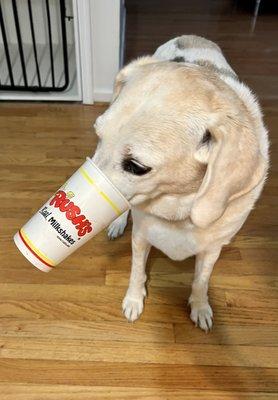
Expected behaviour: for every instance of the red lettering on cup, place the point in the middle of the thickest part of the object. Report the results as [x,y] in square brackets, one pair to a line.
[82,224]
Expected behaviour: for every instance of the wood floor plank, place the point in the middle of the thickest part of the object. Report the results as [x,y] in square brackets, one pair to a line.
[256,299]
[68,392]
[110,311]
[157,353]
[139,375]
[261,253]
[87,330]
[170,279]
[98,294]
[226,334]
[244,315]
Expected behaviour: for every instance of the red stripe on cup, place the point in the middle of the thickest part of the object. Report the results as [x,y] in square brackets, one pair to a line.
[32,251]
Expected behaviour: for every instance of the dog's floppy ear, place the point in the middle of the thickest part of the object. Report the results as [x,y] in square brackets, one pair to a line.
[127,72]
[235,166]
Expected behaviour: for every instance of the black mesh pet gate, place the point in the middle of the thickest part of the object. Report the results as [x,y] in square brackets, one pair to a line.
[33,47]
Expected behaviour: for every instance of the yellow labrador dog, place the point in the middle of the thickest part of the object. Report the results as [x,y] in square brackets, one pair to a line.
[185,142]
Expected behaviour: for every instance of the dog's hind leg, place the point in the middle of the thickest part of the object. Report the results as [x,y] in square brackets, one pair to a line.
[201,312]
[117,227]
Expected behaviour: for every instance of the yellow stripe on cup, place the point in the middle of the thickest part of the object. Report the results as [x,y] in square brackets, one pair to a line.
[36,250]
[90,180]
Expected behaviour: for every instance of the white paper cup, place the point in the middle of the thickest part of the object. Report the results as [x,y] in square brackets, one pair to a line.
[86,204]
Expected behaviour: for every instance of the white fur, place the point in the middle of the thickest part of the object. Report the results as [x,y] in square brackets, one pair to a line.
[169,51]
[117,227]
[162,208]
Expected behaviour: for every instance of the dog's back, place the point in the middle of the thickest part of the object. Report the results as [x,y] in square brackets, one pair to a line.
[196,50]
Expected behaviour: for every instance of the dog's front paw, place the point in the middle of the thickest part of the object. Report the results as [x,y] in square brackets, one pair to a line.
[117,227]
[133,305]
[201,315]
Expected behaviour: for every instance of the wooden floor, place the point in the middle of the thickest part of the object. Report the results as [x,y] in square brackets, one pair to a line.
[62,334]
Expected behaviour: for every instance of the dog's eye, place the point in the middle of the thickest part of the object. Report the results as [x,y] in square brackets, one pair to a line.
[134,167]
[206,139]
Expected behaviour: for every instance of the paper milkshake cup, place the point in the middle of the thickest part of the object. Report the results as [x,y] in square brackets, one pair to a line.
[86,204]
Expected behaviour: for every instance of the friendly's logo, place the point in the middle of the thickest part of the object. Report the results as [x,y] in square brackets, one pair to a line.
[72,212]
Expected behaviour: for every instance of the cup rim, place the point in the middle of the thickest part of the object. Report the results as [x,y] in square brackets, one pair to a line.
[108,180]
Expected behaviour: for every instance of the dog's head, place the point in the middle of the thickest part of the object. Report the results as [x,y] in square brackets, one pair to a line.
[177,130]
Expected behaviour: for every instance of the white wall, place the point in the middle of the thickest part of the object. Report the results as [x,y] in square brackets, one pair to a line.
[99,36]
[106,46]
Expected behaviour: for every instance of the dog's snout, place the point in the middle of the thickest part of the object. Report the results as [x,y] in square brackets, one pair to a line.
[100,160]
